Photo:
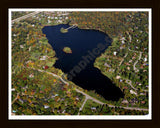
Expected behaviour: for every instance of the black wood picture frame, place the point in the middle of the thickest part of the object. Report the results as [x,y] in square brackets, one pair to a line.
[5,5]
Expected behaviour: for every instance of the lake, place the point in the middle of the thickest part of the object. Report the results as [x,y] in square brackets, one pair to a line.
[86,46]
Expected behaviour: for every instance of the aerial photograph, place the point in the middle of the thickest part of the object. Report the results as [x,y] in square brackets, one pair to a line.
[79,63]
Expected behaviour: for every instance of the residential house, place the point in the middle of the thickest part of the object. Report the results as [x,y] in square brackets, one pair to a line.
[125,87]
[62,99]
[142,94]
[127,64]
[107,65]
[14,111]
[123,42]
[45,67]
[64,111]
[133,92]
[49,21]
[121,47]
[123,38]
[21,101]
[77,98]
[133,57]
[46,106]
[13,89]
[118,77]
[14,35]
[134,100]
[43,58]
[56,95]
[143,102]
[120,80]
[30,48]
[141,66]
[115,53]
[145,59]
[31,75]
[130,61]
[21,46]
[125,101]
[40,91]
[93,108]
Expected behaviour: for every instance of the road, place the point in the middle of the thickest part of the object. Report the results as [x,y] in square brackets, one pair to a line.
[133,108]
[130,38]
[99,102]
[51,74]
[65,14]
[15,98]
[25,16]
[13,89]
[80,109]
[130,83]
[89,97]
[123,58]
[134,65]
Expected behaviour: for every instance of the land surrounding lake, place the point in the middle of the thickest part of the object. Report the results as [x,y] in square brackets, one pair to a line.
[86,46]
[79,63]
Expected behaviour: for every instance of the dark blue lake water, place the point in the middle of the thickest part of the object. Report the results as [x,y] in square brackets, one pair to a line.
[86,46]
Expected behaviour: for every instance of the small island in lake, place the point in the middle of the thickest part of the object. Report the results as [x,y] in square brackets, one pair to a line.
[67,50]
[63,30]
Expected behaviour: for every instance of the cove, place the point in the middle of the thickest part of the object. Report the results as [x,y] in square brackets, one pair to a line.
[86,46]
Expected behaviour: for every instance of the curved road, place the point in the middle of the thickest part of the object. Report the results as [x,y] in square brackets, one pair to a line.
[140,55]
[130,83]
[25,16]
[89,97]
[15,98]
[123,58]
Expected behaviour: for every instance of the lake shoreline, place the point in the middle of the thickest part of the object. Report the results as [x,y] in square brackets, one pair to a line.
[81,41]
